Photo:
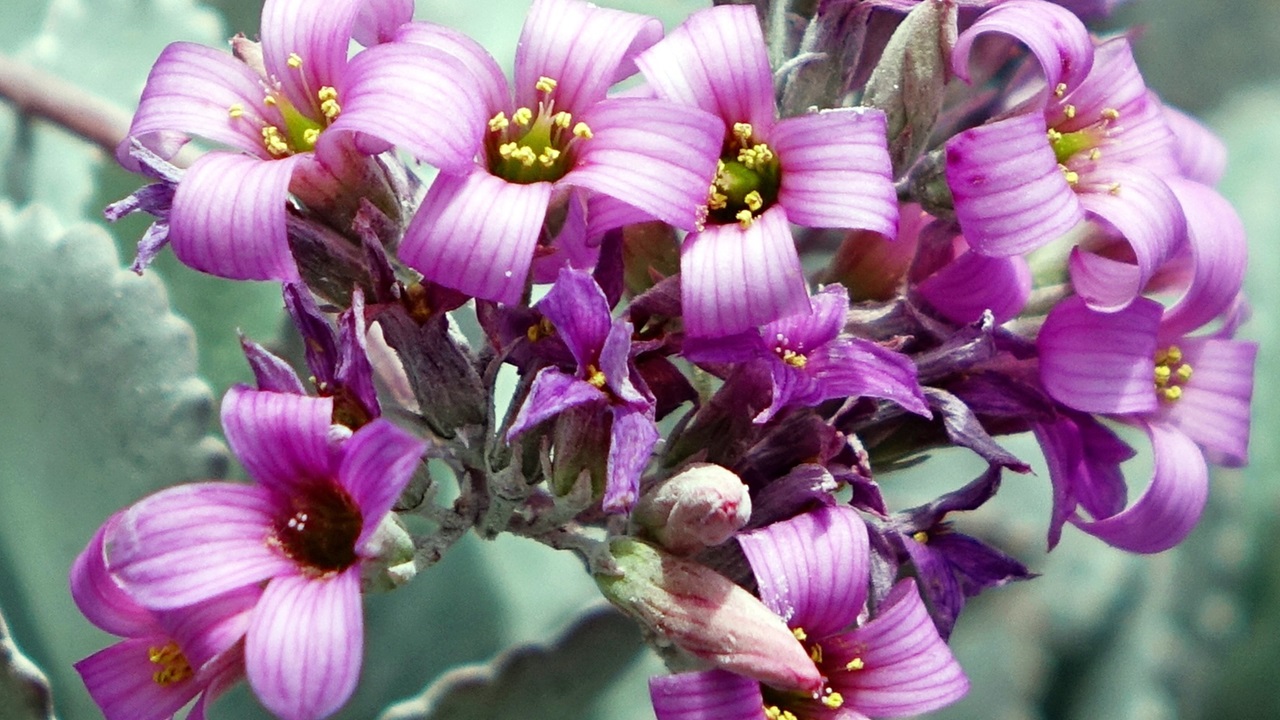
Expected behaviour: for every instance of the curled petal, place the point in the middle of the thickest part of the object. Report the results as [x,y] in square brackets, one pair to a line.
[735,278]
[1215,407]
[631,442]
[716,60]
[818,327]
[853,367]
[812,569]
[1057,38]
[552,393]
[377,463]
[378,20]
[971,284]
[489,82]
[207,630]
[584,48]
[99,596]
[304,647]
[652,155]
[1171,504]
[707,695]
[304,46]
[1202,155]
[1219,251]
[1010,194]
[281,439]
[577,308]
[476,233]
[836,171]
[1100,362]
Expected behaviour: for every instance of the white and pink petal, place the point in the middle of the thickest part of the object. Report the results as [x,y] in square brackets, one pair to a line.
[489,84]
[305,46]
[377,463]
[971,284]
[280,438]
[1216,403]
[1100,362]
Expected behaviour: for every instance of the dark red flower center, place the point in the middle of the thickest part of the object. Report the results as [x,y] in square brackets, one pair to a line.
[320,530]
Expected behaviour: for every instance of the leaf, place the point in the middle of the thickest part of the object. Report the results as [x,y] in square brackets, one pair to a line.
[531,681]
[24,690]
[102,406]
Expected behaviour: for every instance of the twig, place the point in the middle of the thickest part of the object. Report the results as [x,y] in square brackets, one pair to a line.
[41,94]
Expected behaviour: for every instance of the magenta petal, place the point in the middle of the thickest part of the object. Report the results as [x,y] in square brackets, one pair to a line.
[305,644]
[119,679]
[734,279]
[1057,38]
[193,542]
[907,668]
[319,35]
[853,367]
[391,82]
[281,439]
[836,171]
[652,155]
[191,90]
[584,48]
[98,595]
[1171,504]
[378,20]
[1100,362]
[377,463]
[707,695]
[210,628]
[812,569]
[1214,409]
[476,233]
[631,441]
[973,283]
[1010,194]
[552,393]
[490,85]
[1201,155]
[228,217]
[716,60]
[578,309]
[1219,251]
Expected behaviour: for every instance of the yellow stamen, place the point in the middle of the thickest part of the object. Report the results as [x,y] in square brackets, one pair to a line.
[745,218]
[269,100]
[562,120]
[753,201]
[716,200]
[773,712]
[236,110]
[1060,90]
[522,116]
[921,537]
[595,377]
[1095,154]
[794,359]
[1069,110]
[1110,114]
[543,328]
[855,665]
[294,61]
[1163,373]
[310,135]
[815,653]
[833,699]
[1172,393]
[581,130]
[1073,177]
[274,141]
[800,634]
[506,150]
[329,106]
[742,131]
[525,155]
[548,157]
[173,664]
[545,84]
[1184,372]
[499,122]
[1114,189]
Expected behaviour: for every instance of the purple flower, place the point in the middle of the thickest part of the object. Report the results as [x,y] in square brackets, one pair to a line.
[813,571]
[810,360]
[825,169]
[601,387]
[636,158]
[299,115]
[167,657]
[302,528]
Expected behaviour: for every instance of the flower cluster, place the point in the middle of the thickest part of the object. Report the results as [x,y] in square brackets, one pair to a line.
[736,294]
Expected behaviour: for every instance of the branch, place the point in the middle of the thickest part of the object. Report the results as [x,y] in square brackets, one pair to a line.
[41,94]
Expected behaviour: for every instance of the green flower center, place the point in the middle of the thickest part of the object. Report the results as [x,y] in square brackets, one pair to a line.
[530,146]
[748,176]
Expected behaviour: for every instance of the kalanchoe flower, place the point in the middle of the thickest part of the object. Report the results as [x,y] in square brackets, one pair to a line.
[295,116]
[167,657]
[636,158]
[303,527]
[825,169]
[813,571]
[811,361]
[602,385]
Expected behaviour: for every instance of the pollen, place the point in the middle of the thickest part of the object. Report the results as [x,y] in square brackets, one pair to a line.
[773,712]
[743,131]
[855,665]
[1095,154]
[1069,110]
[753,201]
[832,699]
[800,634]
[522,116]
[562,120]
[745,218]
[1060,90]
[1110,114]
[329,106]
[545,84]
[793,358]
[921,537]
[716,200]
[236,110]
[815,654]
[269,100]
[274,141]
[1114,189]
[499,122]
[756,156]
[173,665]
[310,135]
[595,377]
[1073,177]
[549,157]
[506,150]
[1171,373]
[294,61]
[582,130]
[541,329]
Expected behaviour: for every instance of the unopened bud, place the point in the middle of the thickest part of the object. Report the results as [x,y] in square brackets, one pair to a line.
[705,614]
[389,557]
[702,506]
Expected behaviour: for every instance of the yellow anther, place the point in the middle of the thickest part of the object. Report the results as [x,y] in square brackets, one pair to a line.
[753,201]
[793,358]
[1054,135]
[236,110]
[310,135]
[716,200]
[545,84]
[1110,114]
[542,328]
[800,634]
[855,665]
[1163,373]
[522,116]
[581,130]
[274,141]
[595,377]
[329,106]
[833,699]
[1171,393]
[1069,110]
[742,131]
[506,150]
[755,156]
[773,712]
[525,155]
[1095,154]
[269,100]
[1173,354]
[294,61]
[1114,189]
[1072,177]
[499,122]
[815,653]
[562,120]
[549,157]
[921,537]
[745,218]
[1184,372]
[1060,90]
[173,665]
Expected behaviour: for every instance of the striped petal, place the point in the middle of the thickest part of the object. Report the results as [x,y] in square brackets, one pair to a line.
[734,279]
[707,695]
[476,233]
[1100,362]
[1170,505]
[1219,252]
[652,155]
[906,668]
[378,20]
[552,393]
[716,60]
[631,441]
[836,171]
[1201,155]
[193,542]
[578,309]
[812,569]
[229,214]
[584,48]
[190,91]
[119,679]
[414,97]
[99,596]
[207,630]
[1215,406]
[305,46]
[488,81]
[1057,38]
[281,439]
[971,284]
[305,644]
[377,463]
[1009,192]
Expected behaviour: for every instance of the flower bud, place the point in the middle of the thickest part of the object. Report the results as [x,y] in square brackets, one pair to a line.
[703,505]
[706,615]
[389,557]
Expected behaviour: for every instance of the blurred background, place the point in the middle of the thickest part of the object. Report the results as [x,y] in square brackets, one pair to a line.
[108,385]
